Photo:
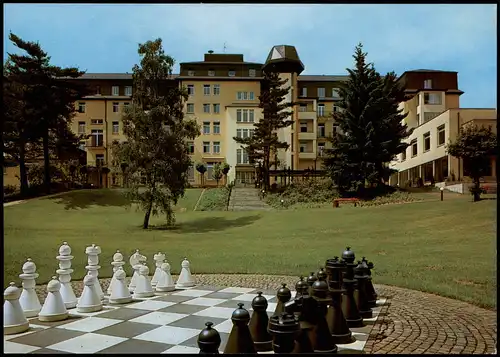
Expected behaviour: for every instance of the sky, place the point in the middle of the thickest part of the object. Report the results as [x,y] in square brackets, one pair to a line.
[397,37]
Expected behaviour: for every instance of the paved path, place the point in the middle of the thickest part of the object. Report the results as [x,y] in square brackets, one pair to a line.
[246,199]
[35,198]
[413,322]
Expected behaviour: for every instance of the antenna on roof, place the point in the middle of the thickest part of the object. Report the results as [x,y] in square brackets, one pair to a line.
[224,47]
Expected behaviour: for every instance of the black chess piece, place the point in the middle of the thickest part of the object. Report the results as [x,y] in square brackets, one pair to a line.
[335,317]
[303,307]
[370,290]
[284,328]
[310,281]
[301,287]
[321,337]
[209,340]
[362,298]
[284,295]
[240,339]
[321,274]
[349,307]
[259,322]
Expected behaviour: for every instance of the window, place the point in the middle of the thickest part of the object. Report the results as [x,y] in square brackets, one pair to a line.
[216,147]
[97,137]
[206,127]
[244,133]
[116,127]
[335,128]
[116,107]
[303,127]
[245,96]
[403,155]
[81,107]
[441,135]
[211,73]
[191,73]
[239,96]
[206,147]
[428,84]
[216,126]
[430,115]
[238,115]
[231,73]
[251,96]
[190,89]
[250,115]
[321,149]
[126,105]
[418,118]
[128,90]
[206,89]
[245,115]
[115,90]
[216,89]
[98,90]
[302,147]
[321,92]
[99,160]
[321,130]
[414,148]
[335,109]
[81,145]
[335,93]
[304,92]
[303,108]
[97,121]
[81,127]
[190,108]
[191,147]
[210,170]
[252,72]
[432,98]
[216,108]
[191,173]
[321,110]
[427,141]
[241,156]
[206,108]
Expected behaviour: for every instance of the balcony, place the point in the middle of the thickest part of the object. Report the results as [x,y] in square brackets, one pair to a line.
[307,115]
[310,155]
[307,135]
[95,143]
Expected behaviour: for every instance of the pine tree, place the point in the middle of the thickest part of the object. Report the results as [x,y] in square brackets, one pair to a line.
[264,144]
[370,126]
[156,133]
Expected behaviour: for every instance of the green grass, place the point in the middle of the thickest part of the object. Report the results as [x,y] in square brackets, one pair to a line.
[447,248]
[214,199]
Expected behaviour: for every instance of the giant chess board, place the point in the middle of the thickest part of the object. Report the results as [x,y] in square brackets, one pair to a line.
[166,323]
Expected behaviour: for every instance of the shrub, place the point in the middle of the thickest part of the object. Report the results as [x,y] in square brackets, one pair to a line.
[394,197]
[309,193]
[9,190]
[214,199]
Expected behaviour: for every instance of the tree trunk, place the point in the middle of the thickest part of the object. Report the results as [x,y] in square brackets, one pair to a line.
[477,192]
[145,225]
[23,176]
[46,162]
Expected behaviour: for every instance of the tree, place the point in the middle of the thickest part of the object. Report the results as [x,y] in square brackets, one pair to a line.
[201,168]
[47,96]
[217,173]
[156,133]
[370,126]
[225,170]
[264,144]
[475,145]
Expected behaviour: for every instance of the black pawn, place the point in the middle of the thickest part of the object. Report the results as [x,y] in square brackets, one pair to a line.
[259,322]
[240,339]
[284,328]
[310,281]
[321,338]
[284,295]
[321,274]
[362,297]
[372,295]
[209,340]
[301,287]
[307,319]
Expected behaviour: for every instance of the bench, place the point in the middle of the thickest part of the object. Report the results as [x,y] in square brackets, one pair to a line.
[337,201]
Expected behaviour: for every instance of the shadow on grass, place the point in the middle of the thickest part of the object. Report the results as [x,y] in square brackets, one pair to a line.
[209,224]
[85,199]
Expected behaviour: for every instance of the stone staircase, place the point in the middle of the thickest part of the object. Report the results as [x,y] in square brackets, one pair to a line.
[246,199]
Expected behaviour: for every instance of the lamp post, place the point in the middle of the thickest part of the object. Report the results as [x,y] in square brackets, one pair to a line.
[442,191]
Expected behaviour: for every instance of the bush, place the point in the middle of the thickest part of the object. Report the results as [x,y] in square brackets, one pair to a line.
[214,199]
[394,197]
[311,193]
[9,190]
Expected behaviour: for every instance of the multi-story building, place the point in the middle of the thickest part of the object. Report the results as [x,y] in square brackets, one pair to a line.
[224,95]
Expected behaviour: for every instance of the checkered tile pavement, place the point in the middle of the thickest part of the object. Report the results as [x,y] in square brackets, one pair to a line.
[165,323]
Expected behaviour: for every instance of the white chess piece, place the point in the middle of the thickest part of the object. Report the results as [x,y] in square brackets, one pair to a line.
[64,272]
[143,288]
[120,293]
[14,320]
[93,267]
[29,299]
[134,262]
[89,301]
[53,308]
[158,258]
[186,279]
[117,264]
[165,282]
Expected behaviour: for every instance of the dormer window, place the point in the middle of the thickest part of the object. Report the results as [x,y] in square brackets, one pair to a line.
[115,90]
[211,73]
[231,73]
[98,90]
[428,84]
[252,72]
[190,73]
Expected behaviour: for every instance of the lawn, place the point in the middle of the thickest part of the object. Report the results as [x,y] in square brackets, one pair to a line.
[447,248]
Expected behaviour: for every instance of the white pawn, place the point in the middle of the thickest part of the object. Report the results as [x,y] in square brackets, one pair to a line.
[143,288]
[14,320]
[120,293]
[186,279]
[64,273]
[135,263]
[89,301]
[165,282]
[29,299]
[158,258]
[117,264]
[53,308]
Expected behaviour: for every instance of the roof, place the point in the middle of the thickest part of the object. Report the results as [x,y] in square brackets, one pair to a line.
[427,71]
[222,62]
[284,57]
[116,76]
[323,78]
